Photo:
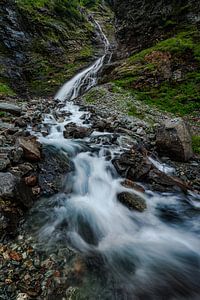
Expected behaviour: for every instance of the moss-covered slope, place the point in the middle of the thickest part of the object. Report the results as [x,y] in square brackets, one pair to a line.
[166,75]
[42,44]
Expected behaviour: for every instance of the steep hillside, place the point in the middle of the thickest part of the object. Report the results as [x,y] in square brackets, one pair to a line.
[140,23]
[42,44]
[161,43]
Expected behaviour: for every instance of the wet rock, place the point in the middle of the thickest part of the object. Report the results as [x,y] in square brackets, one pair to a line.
[133,164]
[31,148]
[162,182]
[106,139]
[13,109]
[76,132]
[53,169]
[16,155]
[132,185]
[22,169]
[102,125]
[8,184]
[9,219]
[24,194]
[132,201]
[31,180]
[4,161]
[173,139]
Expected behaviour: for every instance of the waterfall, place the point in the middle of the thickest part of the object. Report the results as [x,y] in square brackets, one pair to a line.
[86,79]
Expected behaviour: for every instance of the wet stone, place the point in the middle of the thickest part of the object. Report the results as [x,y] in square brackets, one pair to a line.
[132,201]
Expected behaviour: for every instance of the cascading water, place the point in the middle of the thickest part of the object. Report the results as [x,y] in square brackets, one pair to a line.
[150,255]
[86,79]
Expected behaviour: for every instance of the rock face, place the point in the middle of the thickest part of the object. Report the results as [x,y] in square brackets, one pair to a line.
[40,44]
[173,140]
[140,23]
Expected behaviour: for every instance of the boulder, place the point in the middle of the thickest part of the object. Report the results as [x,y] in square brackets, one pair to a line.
[31,148]
[133,164]
[132,185]
[13,109]
[173,140]
[8,184]
[76,132]
[52,170]
[132,201]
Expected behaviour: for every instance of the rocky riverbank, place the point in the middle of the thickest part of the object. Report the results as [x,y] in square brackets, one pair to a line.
[30,171]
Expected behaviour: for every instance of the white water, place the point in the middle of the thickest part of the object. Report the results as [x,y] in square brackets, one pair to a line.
[153,255]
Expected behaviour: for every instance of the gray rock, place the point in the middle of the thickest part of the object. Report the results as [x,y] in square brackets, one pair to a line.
[4,161]
[7,185]
[11,108]
[173,139]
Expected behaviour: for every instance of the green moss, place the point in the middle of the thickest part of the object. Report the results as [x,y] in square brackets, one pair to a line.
[146,81]
[6,90]
[86,52]
[2,114]
[92,95]
[196,144]
[133,112]
[180,43]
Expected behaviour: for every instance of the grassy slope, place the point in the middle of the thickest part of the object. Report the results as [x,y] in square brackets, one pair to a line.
[166,75]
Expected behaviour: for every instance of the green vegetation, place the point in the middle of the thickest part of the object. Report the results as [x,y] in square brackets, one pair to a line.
[61,42]
[2,114]
[133,112]
[94,94]
[182,42]
[6,90]
[143,74]
[196,144]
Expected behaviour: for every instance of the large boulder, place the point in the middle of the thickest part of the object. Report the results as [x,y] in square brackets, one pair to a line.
[31,148]
[132,201]
[76,132]
[11,108]
[53,170]
[173,140]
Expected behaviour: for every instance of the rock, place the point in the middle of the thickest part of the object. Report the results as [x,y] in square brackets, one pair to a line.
[8,184]
[162,182]
[132,185]
[132,201]
[133,164]
[173,139]
[53,170]
[76,132]
[31,180]
[10,216]
[4,161]
[24,194]
[31,148]
[13,109]
[16,155]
